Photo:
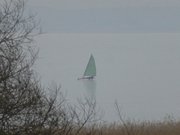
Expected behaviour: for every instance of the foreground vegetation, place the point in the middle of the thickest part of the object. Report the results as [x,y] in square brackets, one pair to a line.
[168,126]
[133,128]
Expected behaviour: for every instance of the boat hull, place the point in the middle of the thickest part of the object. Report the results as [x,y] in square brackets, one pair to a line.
[86,77]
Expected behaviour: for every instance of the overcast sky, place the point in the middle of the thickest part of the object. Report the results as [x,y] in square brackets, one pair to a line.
[83,4]
[108,15]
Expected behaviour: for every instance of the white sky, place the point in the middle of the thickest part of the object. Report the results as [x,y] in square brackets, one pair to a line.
[108,15]
[84,4]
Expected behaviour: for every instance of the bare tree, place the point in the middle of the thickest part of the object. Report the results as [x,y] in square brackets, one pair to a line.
[19,89]
[128,126]
[24,106]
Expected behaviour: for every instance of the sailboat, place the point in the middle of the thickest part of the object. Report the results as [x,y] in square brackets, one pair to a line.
[90,71]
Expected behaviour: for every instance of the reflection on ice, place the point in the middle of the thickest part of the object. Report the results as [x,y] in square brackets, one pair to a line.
[90,87]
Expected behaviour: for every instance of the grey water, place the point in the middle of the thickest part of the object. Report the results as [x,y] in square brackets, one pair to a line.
[141,71]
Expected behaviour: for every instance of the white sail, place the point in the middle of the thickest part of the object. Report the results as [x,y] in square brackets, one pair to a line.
[91,67]
[90,71]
